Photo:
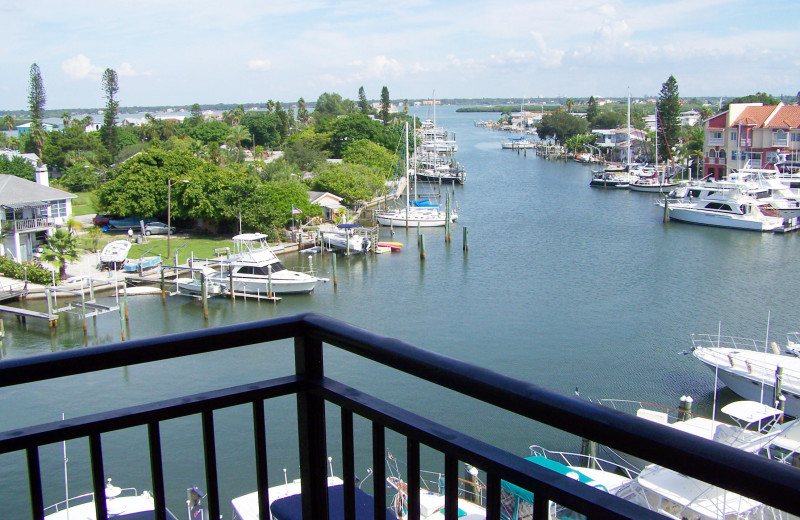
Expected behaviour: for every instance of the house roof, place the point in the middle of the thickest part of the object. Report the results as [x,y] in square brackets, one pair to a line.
[314,196]
[15,191]
[787,116]
[718,121]
[754,116]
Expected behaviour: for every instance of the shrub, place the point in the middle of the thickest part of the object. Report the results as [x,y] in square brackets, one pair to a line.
[36,272]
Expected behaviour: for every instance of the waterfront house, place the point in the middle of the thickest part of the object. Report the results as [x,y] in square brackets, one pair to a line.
[25,128]
[30,211]
[751,134]
[330,202]
[31,158]
[614,143]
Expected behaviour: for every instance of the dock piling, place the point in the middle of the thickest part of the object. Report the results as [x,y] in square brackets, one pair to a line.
[422,247]
[335,280]
[666,210]
[466,240]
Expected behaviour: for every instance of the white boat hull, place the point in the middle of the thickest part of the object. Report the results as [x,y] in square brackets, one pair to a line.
[752,375]
[711,218]
[653,188]
[300,284]
[415,218]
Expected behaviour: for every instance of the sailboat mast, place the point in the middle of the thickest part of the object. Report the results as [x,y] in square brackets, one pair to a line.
[629,126]
[415,157]
[408,185]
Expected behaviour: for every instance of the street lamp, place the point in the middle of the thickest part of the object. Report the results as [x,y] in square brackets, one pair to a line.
[169,209]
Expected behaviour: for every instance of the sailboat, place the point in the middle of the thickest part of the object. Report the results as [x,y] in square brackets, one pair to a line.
[420,213]
[650,180]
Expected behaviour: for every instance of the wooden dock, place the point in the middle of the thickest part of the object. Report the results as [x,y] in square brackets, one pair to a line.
[25,313]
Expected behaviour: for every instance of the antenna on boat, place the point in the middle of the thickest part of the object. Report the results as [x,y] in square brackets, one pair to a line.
[66,480]
[330,465]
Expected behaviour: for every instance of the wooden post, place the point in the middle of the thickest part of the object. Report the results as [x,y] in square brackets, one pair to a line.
[269,281]
[447,218]
[83,311]
[335,280]
[48,296]
[163,289]
[666,209]
[778,402]
[121,324]
[419,231]
[685,408]
[204,294]
[125,300]
[422,247]
[466,240]
[230,278]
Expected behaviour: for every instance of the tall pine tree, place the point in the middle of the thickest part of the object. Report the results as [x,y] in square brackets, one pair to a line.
[108,132]
[385,104]
[36,100]
[363,104]
[668,110]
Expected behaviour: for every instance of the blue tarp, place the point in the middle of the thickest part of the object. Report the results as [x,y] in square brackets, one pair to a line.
[290,508]
[348,226]
[424,203]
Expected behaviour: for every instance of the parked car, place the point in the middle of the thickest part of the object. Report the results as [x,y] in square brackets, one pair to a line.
[157,228]
[127,222]
[101,219]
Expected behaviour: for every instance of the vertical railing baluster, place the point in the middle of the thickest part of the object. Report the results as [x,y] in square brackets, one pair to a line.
[260,436]
[379,470]
[35,482]
[541,507]
[492,497]
[311,431]
[348,465]
[450,487]
[157,470]
[98,479]
[210,451]
[412,454]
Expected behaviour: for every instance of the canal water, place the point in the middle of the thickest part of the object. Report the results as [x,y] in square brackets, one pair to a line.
[564,286]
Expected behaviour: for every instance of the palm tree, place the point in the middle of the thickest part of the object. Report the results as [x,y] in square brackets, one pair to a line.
[66,118]
[237,134]
[8,120]
[694,147]
[62,247]
[569,103]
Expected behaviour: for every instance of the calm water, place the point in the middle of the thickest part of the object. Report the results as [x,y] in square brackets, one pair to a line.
[564,286]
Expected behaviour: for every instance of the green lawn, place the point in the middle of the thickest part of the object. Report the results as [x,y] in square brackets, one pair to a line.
[83,205]
[201,247]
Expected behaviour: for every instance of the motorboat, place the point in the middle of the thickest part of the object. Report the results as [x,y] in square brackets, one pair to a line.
[677,496]
[610,179]
[121,503]
[650,181]
[725,208]
[590,470]
[346,239]
[194,285]
[766,185]
[253,268]
[115,253]
[752,371]
[144,263]
[285,502]
[517,143]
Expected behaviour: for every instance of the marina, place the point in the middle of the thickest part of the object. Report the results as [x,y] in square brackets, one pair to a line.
[562,286]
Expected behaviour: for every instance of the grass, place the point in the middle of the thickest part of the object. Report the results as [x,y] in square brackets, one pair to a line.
[83,204]
[157,245]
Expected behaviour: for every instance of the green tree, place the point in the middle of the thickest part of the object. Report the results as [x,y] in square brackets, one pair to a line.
[569,103]
[561,126]
[385,104]
[108,132]
[349,128]
[66,119]
[306,149]
[36,101]
[405,106]
[363,104]
[693,147]
[591,111]
[302,113]
[237,134]
[209,131]
[62,247]
[352,182]
[668,109]
[8,121]
[197,116]
[81,176]
[609,119]
[331,105]
[367,153]
[17,166]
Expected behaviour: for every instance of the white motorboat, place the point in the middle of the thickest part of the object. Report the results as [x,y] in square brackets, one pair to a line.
[517,143]
[345,240]
[254,268]
[115,253]
[285,502]
[751,371]
[767,186]
[121,504]
[611,177]
[194,285]
[650,181]
[725,208]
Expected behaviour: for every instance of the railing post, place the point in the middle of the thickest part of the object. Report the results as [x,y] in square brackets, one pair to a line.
[311,431]
[157,470]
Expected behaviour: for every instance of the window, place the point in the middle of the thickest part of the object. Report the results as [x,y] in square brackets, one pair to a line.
[780,135]
[58,209]
[722,154]
[716,135]
[712,153]
[733,135]
[796,137]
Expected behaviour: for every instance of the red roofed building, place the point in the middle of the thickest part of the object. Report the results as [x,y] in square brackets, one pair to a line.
[751,132]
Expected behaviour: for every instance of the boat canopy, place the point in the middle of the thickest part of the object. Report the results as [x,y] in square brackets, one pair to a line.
[424,203]
[348,226]
[750,412]
[552,465]
[290,508]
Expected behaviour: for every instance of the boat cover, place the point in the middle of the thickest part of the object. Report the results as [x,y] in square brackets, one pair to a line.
[290,508]
[424,203]
[348,226]
[552,465]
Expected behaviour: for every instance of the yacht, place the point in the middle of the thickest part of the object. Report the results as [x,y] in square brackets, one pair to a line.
[345,240]
[649,180]
[612,177]
[253,268]
[725,208]
[121,503]
[751,371]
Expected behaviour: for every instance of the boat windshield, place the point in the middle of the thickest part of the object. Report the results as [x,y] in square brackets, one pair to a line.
[260,270]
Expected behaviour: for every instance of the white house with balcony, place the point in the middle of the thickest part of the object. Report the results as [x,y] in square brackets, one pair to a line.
[29,211]
[750,134]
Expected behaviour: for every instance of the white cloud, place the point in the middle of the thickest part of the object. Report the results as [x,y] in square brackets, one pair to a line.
[127,70]
[80,67]
[260,65]
[547,57]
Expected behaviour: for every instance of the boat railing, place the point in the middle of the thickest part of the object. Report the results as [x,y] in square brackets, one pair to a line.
[580,460]
[335,414]
[720,341]
[754,367]
[84,499]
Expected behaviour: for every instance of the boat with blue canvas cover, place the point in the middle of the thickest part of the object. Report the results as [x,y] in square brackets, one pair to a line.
[517,143]
[145,263]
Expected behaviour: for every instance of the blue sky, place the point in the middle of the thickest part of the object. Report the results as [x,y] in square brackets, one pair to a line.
[177,52]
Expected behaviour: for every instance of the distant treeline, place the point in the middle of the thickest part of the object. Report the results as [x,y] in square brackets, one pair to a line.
[505,109]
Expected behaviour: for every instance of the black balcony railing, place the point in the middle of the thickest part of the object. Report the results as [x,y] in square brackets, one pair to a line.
[744,473]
